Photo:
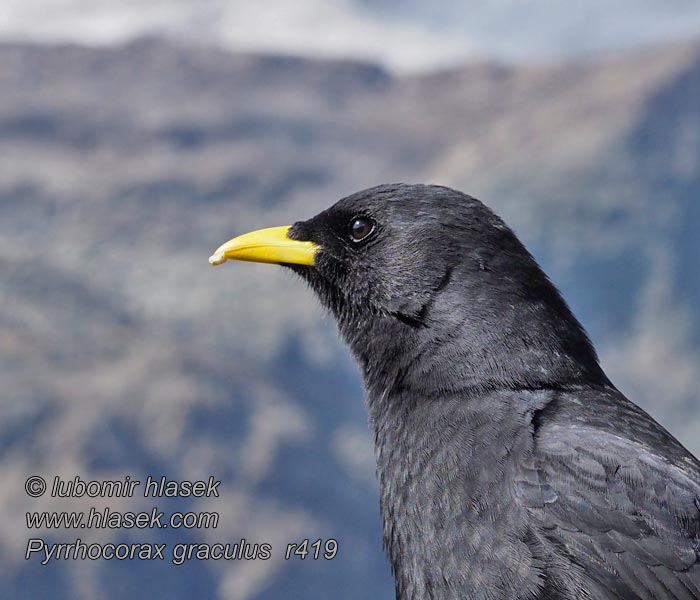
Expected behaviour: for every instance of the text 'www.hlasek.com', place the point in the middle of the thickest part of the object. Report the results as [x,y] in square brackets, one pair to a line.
[105,518]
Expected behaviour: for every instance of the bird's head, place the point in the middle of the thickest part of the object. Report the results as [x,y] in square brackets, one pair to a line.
[383,251]
[416,268]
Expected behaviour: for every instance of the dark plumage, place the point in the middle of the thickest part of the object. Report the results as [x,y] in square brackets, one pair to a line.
[510,467]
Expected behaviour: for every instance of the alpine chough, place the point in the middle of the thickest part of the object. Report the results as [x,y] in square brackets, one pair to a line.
[510,467]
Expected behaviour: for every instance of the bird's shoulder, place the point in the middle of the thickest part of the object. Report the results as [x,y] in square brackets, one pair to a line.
[610,490]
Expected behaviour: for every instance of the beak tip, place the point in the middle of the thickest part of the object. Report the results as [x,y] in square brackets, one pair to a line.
[217,259]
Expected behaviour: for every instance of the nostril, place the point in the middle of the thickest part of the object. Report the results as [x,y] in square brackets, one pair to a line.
[300,231]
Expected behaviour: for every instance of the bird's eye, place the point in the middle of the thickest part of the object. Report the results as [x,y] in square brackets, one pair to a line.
[360,228]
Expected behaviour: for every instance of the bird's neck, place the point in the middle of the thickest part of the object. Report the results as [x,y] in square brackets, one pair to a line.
[428,368]
[469,346]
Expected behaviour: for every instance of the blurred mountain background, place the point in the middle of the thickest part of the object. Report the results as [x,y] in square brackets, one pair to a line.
[127,157]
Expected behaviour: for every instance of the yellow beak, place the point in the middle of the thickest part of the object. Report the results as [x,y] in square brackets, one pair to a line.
[267,246]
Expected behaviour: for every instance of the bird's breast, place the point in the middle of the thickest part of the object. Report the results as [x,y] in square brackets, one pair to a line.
[447,470]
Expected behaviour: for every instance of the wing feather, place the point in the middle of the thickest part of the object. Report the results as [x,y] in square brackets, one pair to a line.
[620,499]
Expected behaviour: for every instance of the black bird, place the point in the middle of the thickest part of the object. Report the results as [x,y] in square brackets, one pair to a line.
[510,467]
